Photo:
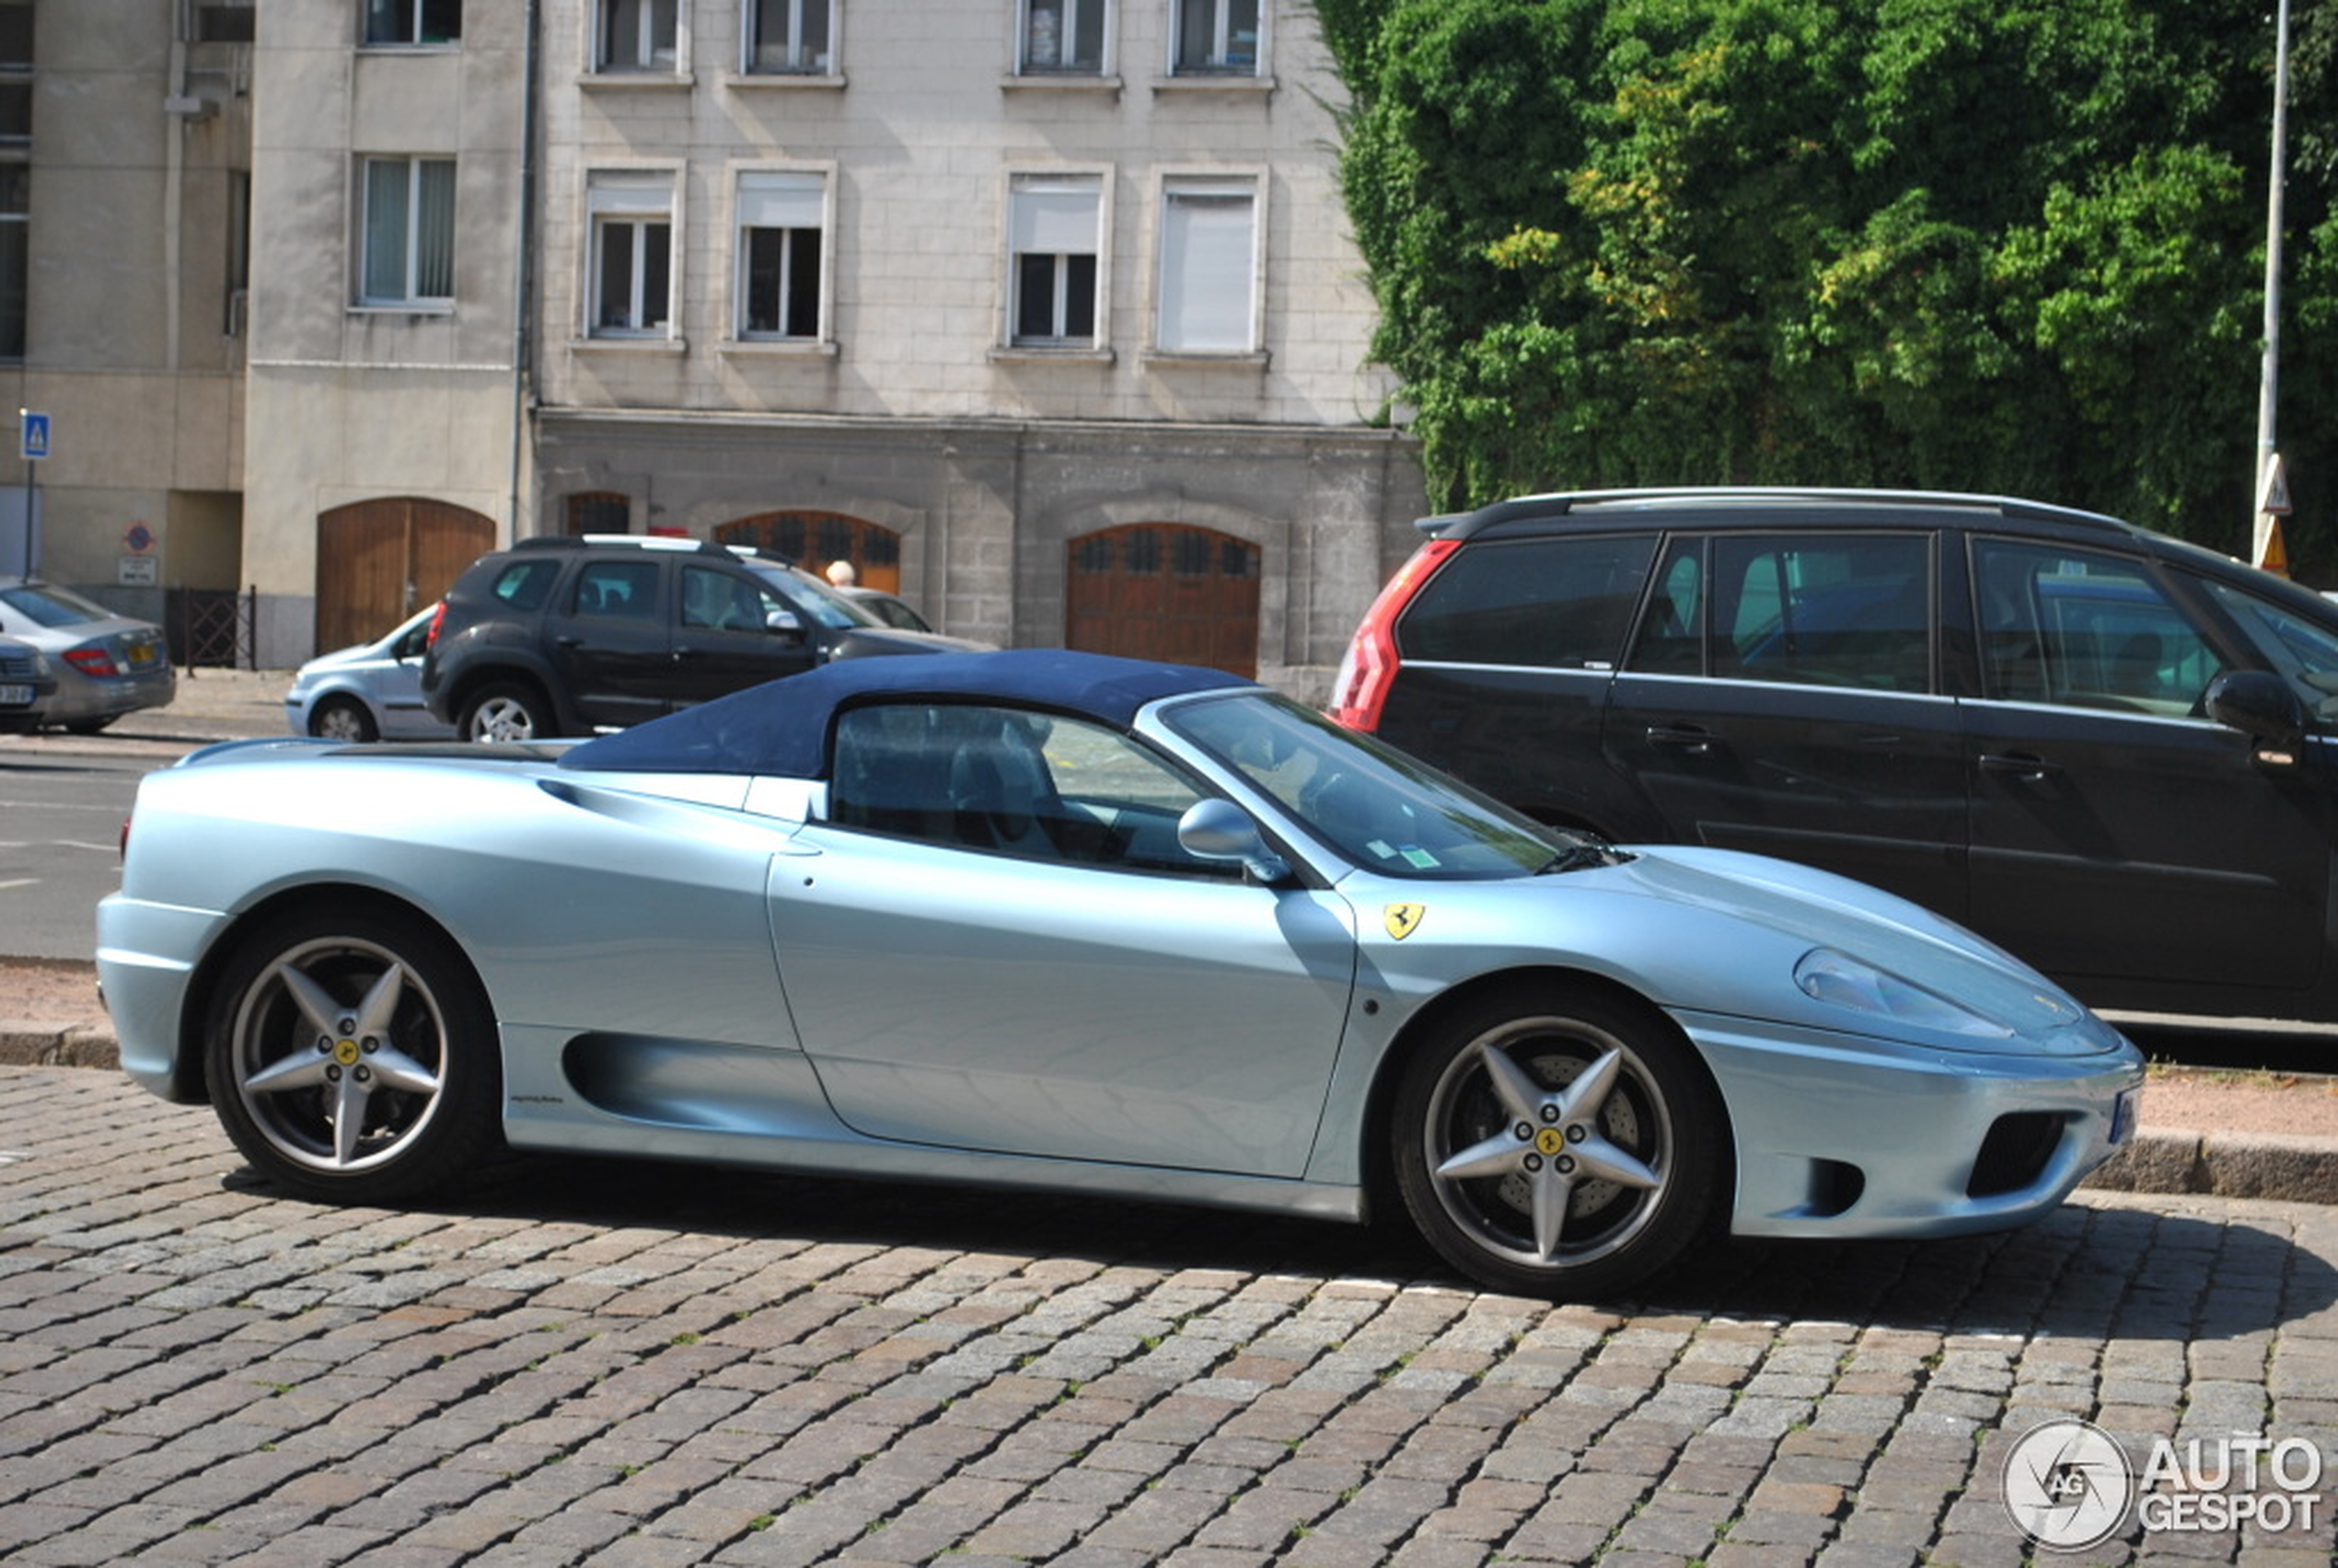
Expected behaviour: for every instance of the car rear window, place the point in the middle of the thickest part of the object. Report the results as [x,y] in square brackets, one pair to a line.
[1551,603]
[54,607]
[525,584]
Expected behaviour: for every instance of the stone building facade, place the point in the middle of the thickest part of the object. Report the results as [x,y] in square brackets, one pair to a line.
[1041,312]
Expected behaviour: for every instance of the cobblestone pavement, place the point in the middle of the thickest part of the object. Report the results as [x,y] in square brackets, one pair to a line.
[621,1364]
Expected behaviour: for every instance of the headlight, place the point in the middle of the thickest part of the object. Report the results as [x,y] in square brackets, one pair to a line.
[1842,981]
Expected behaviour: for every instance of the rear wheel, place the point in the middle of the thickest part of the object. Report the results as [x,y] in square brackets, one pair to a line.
[506,710]
[1564,1145]
[353,1056]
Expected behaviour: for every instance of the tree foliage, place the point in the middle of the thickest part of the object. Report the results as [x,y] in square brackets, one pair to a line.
[1991,245]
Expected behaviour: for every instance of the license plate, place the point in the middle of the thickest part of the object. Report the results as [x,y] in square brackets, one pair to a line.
[2123,1116]
[141,651]
[14,696]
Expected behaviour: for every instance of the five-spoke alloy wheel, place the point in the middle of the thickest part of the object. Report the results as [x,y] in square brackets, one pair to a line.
[354,1057]
[1562,1145]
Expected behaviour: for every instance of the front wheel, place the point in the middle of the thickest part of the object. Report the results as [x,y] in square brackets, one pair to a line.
[1569,1146]
[506,710]
[343,719]
[352,1058]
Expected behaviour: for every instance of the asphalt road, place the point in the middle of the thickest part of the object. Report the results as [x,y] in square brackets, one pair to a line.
[61,816]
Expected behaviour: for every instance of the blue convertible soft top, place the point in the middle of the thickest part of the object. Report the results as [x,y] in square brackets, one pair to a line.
[781,728]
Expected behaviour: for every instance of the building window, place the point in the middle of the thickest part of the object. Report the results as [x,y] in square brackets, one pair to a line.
[1208,267]
[1217,38]
[408,244]
[599,511]
[413,21]
[16,181]
[639,35]
[632,239]
[1065,35]
[780,226]
[224,21]
[1053,224]
[789,36]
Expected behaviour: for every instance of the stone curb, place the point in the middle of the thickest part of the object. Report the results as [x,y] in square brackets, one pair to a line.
[2165,1160]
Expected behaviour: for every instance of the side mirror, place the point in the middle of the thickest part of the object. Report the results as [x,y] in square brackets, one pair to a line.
[2259,704]
[1220,830]
[783,623]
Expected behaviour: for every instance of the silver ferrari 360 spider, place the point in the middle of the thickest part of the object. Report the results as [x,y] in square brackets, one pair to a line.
[1051,919]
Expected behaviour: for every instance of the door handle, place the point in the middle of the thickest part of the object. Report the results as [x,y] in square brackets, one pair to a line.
[2029,768]
[568,639]
[1689,738]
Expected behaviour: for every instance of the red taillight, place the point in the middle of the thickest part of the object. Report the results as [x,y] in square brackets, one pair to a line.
[438,619]
[1370,667]
[93,661]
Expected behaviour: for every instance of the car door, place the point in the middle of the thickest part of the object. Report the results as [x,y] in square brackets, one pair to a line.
[724,637]
[999,946]
[1780,698]
[2118,834]
[607,639]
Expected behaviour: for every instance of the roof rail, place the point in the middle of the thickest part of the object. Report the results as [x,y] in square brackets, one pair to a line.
[1561,502]
[637,541]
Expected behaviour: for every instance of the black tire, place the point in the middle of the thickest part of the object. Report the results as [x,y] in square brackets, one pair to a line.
[511,712]
[343,719]
[352,1058]
[89,726]
[1559,1143]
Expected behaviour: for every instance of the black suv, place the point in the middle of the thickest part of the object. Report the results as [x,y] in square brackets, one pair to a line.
[2110,751]
[565,636]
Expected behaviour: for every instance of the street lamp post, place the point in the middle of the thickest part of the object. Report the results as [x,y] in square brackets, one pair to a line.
[2271,499]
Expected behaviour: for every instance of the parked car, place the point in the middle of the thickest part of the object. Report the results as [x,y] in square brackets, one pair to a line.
[568,636]
[1050,919]
[2114,753]
[370,692]
[27,684]
[890,608]
[106,664]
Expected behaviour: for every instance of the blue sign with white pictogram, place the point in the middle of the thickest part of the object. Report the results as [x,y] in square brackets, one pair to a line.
[36,436]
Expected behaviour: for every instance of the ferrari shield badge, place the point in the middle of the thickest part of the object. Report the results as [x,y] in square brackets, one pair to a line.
[1403,919]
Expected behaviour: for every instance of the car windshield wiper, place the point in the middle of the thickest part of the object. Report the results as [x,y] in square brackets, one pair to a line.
[1582,857]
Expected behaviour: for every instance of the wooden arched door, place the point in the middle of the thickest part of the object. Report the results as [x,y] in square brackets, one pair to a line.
[1166,590]
[379,561]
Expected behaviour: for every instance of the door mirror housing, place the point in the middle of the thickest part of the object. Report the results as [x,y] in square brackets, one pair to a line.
[784,624]
[2259,704]
[1222,831]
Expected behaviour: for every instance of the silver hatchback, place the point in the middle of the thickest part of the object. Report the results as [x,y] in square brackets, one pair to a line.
[106,664]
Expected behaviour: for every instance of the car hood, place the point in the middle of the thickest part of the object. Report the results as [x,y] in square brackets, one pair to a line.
[863,641]
[1720,931]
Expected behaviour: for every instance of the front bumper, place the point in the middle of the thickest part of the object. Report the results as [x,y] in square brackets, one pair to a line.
[1848,1137]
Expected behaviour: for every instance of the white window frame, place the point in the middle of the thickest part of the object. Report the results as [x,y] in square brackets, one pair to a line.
[413,39]
[410,264]
[1184,323]
[796,64]
[1027,14]
[601,16]
[639,197]
[1045,216]
[780,189]
[1221,39]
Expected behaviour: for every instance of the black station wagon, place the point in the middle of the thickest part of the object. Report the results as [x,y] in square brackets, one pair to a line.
[2110,751]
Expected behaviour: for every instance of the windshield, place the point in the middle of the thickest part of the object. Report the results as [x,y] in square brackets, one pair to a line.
[1377,806]
[54,607]
[814,600]
[2305,650]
